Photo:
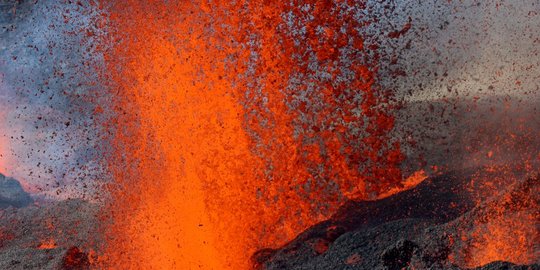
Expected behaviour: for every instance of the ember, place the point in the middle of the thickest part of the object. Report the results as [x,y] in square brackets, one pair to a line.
[47,244]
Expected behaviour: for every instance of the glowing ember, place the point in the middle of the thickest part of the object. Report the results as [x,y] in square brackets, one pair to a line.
[410,182]
[503,228]
[47,244]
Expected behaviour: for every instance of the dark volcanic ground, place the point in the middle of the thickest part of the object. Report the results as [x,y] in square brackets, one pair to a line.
[46,235]
[421,228]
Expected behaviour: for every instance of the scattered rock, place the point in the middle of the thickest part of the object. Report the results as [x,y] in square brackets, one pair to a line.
[70,223]
[75,259]
[353,259]
[399,255]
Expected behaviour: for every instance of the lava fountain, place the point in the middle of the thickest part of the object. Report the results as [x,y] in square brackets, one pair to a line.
[214,153]
[257,134]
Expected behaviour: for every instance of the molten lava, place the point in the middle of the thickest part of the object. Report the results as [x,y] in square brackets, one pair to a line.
[47,244]
[410,182]
[504,227]
[239,124]
[226,139]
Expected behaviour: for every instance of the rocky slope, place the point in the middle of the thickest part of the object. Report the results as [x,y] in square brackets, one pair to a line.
[54,235]
[436,225]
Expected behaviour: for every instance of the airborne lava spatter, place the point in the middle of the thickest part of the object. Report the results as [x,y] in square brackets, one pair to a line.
[234,134]
[221,128]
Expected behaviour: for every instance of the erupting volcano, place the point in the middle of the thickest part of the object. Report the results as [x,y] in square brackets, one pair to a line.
[307,134]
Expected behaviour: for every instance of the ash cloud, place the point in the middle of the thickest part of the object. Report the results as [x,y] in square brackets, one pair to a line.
[467,75]
[48,89]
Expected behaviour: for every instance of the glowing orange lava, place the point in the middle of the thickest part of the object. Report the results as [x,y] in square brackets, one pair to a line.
[504,226]
[184,144]
[510,238]
[47,244]
[207,162]
[410,182]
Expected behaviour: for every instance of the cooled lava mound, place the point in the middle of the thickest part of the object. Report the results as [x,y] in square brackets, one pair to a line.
[443,223]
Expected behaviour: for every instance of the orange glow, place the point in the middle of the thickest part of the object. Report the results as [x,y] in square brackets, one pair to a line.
[187,147]
[207,164]
[510,238]
[506,228]
[183,135]
[410,182]
[3,156]
[47,244]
